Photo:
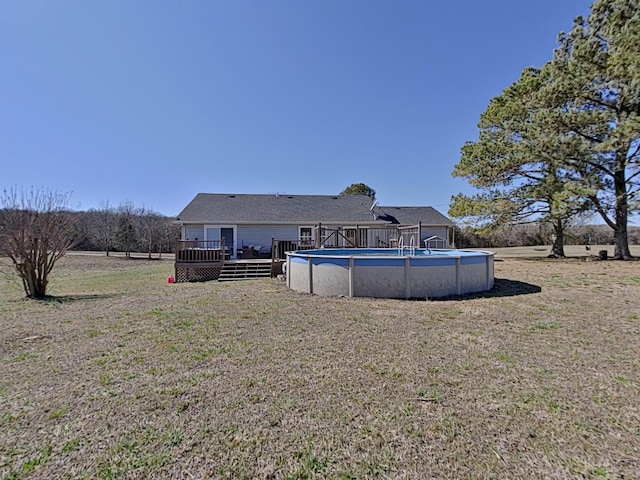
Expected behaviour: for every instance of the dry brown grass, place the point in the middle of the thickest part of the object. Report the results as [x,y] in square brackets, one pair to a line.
[125,376]
[572,251]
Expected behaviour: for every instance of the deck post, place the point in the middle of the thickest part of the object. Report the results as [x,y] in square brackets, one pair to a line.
[273,260]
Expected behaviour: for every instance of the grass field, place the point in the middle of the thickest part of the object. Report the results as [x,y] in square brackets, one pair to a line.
[122,375]
[572,251]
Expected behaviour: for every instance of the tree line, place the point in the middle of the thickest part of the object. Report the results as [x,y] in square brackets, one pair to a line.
[564,140]
[533,234]
[126,228]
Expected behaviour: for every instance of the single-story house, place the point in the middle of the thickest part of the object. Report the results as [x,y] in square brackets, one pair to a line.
[247,221]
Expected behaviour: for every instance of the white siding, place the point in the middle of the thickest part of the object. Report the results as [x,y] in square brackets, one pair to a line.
[261,235]
[193,232]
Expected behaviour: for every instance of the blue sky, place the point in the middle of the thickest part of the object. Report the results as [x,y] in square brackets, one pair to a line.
[154,101]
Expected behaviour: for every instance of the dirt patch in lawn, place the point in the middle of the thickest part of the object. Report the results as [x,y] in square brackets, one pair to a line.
[124,375]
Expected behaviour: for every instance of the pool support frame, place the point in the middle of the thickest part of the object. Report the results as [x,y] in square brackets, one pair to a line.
[447,273]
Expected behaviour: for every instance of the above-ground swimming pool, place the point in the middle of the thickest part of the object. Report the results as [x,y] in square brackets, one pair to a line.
[389,272]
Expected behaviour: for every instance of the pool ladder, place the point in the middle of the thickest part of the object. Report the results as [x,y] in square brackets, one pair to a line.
[411,247]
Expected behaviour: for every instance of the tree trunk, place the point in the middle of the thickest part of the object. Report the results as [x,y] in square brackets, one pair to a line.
[41,289]
[621,241]
[33,281]
[28,279]
[557,249]
[621,244]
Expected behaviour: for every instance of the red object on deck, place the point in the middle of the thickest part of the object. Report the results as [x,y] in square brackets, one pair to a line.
[171,279]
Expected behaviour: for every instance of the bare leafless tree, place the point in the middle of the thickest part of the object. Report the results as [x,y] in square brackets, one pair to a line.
[36,230]
[104,226]
[150,229]
[126,234]
[170,233]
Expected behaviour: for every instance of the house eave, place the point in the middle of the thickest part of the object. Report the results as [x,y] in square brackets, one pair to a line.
[380,224]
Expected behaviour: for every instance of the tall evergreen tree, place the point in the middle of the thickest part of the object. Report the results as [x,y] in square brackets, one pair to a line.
[595,95]
[517,165]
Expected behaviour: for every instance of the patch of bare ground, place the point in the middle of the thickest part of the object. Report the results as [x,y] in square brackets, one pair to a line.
[122,375]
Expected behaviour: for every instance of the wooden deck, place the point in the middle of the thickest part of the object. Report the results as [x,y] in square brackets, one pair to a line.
[199,261]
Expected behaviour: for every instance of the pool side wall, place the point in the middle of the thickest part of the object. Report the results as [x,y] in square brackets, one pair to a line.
[390,277]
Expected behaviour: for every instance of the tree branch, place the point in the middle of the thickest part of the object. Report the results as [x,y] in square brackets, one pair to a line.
[594,199]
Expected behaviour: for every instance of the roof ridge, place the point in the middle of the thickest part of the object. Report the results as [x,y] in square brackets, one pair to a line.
[279,195]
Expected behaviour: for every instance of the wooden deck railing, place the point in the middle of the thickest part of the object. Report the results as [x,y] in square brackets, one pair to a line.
[200,251]
[279,247]
[357,237]
[339,238]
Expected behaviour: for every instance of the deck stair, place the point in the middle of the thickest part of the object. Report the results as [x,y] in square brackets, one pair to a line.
[245,270]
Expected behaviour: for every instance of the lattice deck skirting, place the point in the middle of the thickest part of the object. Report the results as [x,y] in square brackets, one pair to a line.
[197,272]
[276,268]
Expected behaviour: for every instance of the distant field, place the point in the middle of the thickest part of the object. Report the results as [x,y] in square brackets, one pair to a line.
[569,251]
[125,376]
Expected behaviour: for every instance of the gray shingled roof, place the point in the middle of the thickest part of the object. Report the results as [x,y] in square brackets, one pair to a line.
[245,208]
[413,215]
